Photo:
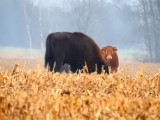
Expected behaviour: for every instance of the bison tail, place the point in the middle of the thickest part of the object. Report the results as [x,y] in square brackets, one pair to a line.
[46,61]
[48,53]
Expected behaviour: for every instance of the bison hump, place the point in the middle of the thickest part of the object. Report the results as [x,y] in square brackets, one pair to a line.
[61,35]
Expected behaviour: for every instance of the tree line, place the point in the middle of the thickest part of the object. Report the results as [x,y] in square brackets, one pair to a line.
[126,26]
[150,24]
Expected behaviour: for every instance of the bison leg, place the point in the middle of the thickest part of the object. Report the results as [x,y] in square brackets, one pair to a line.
[74,68]
[59,58]
[99,68]
[58,66]
[51,63]
[91,68]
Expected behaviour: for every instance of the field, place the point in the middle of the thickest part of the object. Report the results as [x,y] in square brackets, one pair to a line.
[30,92]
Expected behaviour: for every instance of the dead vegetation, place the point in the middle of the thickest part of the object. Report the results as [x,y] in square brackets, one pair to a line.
[27,91]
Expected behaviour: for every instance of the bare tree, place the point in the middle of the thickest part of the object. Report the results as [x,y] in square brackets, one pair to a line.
[81,14]
[146,30]
[151,29]
[49,19]
[158,27]
[28,28]
[40,24]
[154,29]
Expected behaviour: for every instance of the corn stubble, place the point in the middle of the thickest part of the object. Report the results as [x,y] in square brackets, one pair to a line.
[36,94]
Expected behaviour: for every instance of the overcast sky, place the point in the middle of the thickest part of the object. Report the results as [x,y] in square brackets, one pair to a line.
[43,3]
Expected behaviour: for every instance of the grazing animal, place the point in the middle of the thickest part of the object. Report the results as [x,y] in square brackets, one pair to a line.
[110,56]
[74,49]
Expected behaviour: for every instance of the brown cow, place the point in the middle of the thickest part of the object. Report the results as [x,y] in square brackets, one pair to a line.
[110,56]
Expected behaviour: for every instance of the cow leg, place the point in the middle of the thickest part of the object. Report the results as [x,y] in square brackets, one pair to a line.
[113,69]
[106,69]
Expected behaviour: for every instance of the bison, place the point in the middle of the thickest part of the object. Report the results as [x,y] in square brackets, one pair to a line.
[110,56]
[74,49]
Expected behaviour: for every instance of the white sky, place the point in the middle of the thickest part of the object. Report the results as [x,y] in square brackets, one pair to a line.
[43,3]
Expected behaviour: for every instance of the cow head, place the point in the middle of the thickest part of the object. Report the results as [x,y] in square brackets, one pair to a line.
[108,53]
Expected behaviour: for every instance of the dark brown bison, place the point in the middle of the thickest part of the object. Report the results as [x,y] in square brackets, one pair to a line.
[74,49]
[110,56]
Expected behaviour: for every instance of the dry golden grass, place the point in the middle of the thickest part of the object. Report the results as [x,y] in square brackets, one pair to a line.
[29,92]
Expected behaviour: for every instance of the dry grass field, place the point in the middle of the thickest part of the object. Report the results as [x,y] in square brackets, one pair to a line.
[30,92]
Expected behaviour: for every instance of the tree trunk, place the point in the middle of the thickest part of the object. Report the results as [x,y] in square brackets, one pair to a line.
[155,45]
[41,34]
[158,28]
[49,19]
[28,29]
[146,31]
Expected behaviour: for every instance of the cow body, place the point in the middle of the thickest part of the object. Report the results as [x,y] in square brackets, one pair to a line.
[74,49]
[110,56]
